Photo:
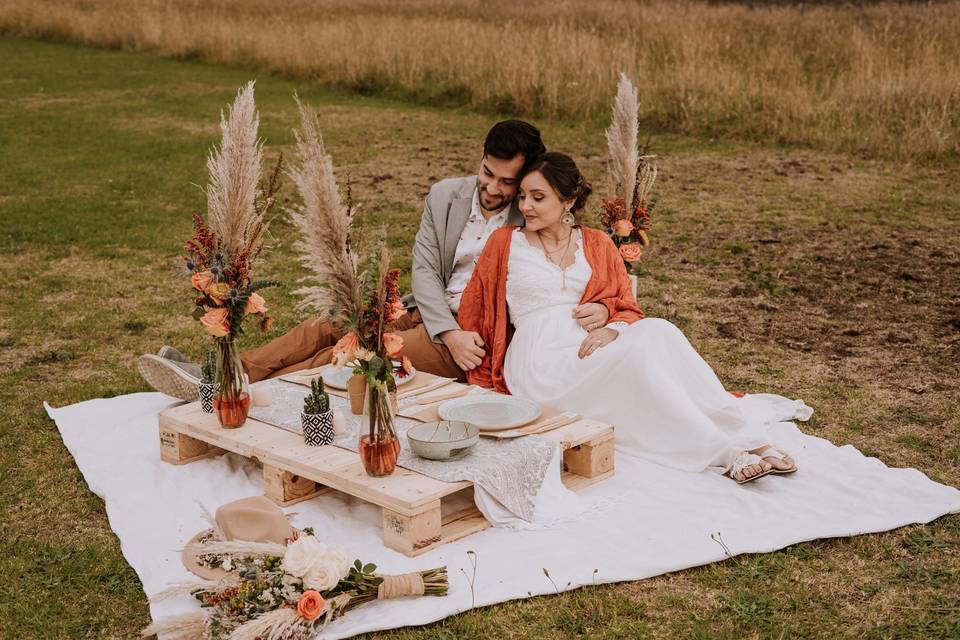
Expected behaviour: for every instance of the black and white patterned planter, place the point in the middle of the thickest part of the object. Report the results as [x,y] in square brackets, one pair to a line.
[317,428]
[206,391]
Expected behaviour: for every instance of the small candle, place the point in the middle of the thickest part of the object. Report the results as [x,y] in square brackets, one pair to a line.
[339,422]
[262,395]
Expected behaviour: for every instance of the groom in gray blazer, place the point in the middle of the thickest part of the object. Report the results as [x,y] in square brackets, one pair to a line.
[459,214]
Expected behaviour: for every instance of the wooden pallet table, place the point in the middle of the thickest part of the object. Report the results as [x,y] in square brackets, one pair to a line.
[414,520]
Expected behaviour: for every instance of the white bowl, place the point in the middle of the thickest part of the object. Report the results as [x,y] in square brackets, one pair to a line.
[444,440]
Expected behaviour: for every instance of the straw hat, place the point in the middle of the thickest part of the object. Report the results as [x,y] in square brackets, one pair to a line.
[253,519]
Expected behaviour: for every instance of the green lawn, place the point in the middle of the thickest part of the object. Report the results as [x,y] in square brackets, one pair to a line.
[825,277]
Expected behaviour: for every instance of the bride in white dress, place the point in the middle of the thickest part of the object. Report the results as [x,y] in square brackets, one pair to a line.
[640,375]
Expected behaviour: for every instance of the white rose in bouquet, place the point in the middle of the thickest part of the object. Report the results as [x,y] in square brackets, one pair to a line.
[303,554]
[323,575]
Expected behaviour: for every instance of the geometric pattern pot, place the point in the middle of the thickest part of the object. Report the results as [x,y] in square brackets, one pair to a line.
[317,428]
[206,391]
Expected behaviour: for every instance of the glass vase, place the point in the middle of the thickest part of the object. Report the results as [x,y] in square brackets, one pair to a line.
[379,446]
[232,400]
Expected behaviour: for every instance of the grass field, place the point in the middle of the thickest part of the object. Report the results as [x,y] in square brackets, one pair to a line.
[818,275]
[875,78]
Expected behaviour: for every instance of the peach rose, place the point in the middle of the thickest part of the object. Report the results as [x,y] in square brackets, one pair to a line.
[255,304]
[393,344]
[201,280]
[215,321]
[622,228]
[310,605]
[630,252]
[346,346]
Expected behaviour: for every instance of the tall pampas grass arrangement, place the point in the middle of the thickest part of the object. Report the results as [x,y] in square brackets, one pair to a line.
[631,175]
[233,211]
[622,141]
[325,221]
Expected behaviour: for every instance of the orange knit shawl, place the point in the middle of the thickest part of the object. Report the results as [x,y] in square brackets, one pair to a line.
[483,307]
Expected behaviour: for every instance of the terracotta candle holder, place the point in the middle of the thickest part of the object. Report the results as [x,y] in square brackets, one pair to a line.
[356,386]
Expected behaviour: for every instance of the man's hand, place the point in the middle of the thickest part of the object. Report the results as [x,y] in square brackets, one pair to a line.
[466,347]
[591,316]
[595,340]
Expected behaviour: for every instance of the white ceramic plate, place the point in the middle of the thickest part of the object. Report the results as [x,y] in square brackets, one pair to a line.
[337,378]
[490,412]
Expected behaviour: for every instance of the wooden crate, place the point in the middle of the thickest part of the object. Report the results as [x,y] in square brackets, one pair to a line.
[414,517]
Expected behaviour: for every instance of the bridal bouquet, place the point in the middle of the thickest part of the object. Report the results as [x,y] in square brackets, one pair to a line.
[272,592]
[221,254]
[361,296]
[626,215]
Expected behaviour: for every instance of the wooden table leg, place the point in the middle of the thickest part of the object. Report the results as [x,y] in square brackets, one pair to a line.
[590,460]
[285,488]
[412,534]
[177,448]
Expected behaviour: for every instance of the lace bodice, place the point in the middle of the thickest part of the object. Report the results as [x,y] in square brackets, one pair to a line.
[534,283]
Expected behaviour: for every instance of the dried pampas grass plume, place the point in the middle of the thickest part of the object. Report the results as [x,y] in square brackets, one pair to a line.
[622,141]
[191,626]
[235,167]
[278,624]
[324,222]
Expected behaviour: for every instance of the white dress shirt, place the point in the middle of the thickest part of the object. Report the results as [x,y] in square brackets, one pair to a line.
[469,248]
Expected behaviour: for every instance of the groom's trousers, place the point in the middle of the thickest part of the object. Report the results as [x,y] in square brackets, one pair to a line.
[310,344]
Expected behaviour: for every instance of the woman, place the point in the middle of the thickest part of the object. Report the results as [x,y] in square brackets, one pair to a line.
[641,375]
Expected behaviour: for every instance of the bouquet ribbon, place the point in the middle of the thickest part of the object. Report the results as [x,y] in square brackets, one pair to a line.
[407,584]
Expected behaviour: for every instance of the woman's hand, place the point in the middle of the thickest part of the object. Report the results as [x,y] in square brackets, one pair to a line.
[591,315]
[595,340]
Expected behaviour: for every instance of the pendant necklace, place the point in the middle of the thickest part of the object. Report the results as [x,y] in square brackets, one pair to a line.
[563,272]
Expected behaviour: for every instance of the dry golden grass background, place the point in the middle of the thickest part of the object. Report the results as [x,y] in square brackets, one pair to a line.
[880,80]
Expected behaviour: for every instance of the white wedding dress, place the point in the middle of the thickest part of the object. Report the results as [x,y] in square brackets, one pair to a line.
[665,402]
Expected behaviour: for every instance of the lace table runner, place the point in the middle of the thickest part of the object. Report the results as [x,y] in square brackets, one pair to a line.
[511,471]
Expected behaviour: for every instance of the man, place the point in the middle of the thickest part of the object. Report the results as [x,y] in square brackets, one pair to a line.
[459,214]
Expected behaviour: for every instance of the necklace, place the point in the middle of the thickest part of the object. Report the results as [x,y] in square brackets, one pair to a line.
[549,254]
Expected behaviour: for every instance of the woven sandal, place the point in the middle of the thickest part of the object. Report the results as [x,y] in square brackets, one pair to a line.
[779,454]
[168,376]
[743,461]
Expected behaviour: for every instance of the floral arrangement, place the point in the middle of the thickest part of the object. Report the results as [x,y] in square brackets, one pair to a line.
[272,592]
[361,296]
[626,214]
[222,251]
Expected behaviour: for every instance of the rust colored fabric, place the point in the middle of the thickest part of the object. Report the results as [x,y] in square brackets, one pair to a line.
[310,344]
[483,307]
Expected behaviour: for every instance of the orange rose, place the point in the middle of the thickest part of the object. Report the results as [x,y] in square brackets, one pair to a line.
[215,321]
[255,304]
[310,604]
[201,280]
[622,228]
[346,346]
[393,344]
[630,252]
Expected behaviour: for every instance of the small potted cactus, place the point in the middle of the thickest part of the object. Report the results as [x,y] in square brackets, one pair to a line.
[317,417]
[207,387]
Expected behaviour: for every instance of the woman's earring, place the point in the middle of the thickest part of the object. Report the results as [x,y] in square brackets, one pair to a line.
[567,218]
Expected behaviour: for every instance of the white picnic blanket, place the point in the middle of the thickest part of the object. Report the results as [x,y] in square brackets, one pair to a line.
[659,520]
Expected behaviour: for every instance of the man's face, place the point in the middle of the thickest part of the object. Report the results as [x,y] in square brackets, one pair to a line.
[497,181]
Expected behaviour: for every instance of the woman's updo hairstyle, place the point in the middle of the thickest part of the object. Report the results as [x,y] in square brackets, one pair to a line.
[564,176]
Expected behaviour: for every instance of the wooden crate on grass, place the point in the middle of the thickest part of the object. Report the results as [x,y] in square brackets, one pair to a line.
[417,511]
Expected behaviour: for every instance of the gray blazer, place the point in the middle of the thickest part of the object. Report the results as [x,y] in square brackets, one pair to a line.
[445,214]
